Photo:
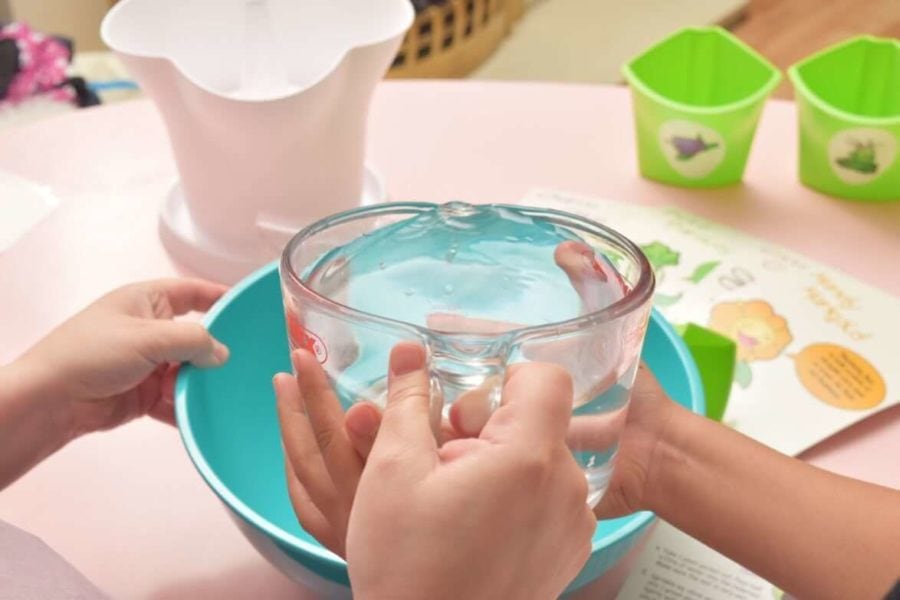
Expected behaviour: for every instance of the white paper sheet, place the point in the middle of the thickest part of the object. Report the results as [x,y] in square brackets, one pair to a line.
[674,566]
[23,204]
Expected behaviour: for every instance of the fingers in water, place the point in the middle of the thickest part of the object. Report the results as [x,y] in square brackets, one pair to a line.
[596,433]
[326,418]
[537,407]
[472,410]
[457,323]
[593,277]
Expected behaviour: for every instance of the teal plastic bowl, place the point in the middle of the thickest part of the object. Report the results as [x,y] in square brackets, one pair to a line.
[228,423]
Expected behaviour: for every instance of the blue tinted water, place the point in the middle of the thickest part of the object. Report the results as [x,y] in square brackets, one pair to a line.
[481,262]
[488,263]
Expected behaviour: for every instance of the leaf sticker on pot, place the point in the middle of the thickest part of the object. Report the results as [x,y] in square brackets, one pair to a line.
[692,149]
[858,156]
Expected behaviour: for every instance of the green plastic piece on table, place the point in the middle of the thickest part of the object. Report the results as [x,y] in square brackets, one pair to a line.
[697,96]
[715,356]
[848,101]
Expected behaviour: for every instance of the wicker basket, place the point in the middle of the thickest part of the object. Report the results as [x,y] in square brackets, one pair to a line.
[452,39]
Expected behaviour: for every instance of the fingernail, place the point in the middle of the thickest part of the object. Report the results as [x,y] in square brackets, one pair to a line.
[220,351]
[471,412]
[363,422]
[297,357]
[406,358]
[469,420]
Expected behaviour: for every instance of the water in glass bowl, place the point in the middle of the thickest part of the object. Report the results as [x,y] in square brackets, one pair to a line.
[487,270]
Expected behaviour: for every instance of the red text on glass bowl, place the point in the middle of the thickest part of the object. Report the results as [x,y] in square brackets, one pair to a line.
[300,337]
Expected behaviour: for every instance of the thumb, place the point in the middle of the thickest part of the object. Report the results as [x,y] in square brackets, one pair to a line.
[536,408]
[177,341]
[362,422]
[406,422]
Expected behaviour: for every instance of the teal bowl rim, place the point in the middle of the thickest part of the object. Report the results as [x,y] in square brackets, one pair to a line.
[806,93]
[255,519]
[758,96]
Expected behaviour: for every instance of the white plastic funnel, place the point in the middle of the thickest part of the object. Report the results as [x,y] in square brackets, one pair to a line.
[265,102]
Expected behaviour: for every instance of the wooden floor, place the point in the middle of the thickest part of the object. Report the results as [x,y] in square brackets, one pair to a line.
[785,31]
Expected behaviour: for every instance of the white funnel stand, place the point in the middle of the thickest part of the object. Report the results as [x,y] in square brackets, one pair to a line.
[265,102]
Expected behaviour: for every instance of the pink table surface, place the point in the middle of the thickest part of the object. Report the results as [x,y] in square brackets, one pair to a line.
[128,509]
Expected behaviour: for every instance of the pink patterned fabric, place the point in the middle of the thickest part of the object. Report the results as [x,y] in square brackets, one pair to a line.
[42,65]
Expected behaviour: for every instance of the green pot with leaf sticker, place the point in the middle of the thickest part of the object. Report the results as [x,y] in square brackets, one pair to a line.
[697,96]
[848,102]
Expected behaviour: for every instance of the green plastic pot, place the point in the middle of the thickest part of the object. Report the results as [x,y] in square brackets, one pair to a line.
[697,97]
[848,100]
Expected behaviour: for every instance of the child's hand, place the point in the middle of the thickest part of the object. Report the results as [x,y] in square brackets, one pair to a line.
[328,449]
[461,520]
[646,419]
[117,359]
